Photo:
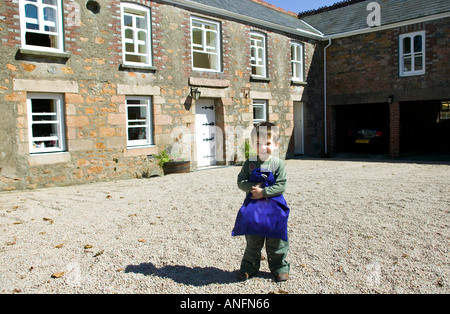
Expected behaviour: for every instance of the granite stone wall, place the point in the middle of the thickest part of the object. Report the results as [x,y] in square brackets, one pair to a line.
[94,82]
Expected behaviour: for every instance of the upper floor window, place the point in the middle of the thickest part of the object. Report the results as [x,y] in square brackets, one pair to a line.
[136,35]
[258,55]
[412,54]
[41,25]
[297,62]
[206,45]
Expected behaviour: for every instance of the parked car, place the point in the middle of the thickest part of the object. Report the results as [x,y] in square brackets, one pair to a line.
[367,138]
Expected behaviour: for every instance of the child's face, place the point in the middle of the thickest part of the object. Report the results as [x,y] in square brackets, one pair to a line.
[265,148]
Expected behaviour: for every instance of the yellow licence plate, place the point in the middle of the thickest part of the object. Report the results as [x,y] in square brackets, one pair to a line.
[362,141]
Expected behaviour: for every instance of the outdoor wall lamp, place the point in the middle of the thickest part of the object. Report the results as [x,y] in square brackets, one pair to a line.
[390,99]
[195,93]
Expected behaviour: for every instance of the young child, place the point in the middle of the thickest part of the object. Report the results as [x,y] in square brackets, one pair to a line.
[264,179]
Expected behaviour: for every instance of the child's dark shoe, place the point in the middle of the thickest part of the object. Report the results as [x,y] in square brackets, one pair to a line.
[282,277]
[243,276]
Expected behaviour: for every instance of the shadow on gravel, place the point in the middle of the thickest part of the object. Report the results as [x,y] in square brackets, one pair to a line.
[197,276]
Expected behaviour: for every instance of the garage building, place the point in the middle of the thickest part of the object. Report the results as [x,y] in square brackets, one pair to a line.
[387,77]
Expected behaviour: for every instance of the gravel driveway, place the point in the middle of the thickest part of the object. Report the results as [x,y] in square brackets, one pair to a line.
[355,227]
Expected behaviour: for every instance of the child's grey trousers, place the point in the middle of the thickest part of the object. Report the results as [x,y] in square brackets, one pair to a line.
[276,249]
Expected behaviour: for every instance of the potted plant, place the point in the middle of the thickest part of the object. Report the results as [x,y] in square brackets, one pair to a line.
[172,165]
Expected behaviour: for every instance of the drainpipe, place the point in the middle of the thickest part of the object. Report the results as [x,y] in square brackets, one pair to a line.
[325,93]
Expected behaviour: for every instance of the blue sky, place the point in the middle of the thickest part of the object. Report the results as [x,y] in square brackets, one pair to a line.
[301,5]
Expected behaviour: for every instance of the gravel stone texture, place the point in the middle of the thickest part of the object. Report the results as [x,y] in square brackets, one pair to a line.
[355,227]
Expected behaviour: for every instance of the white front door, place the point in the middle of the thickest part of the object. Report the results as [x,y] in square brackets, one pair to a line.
[205,133]
[299,129]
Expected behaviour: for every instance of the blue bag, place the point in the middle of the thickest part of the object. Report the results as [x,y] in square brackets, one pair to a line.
[267,217]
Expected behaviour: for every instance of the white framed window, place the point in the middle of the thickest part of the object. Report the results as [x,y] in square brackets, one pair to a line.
[297,62]
[206,45]
[136,34]
[139,121]
[258,55]
[41,25]
[412,54]
[259,111]
[45,123]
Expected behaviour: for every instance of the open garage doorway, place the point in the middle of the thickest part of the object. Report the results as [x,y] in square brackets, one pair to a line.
[363,128]
[425,127]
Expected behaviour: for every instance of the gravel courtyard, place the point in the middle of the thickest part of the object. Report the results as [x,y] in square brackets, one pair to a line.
[355,227]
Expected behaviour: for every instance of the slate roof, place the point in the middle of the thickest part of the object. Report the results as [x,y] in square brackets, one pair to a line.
[354,16]
[344,16]
[260,12]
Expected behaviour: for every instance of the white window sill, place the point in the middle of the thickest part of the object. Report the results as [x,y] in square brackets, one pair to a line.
[412,74]
[297,82]
[141,67]
[44,54]
[206,70]
[140,147]
[260,78]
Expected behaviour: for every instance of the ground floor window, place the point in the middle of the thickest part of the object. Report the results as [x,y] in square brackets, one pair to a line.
[139,121]
[45,123]
[259,111]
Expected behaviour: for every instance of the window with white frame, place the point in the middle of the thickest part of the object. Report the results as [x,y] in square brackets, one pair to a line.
[259,111]
[412,54]
[136,34]
[41,25]
[45,123]
[258,55]
[206,45]
[139,121]
[297,62]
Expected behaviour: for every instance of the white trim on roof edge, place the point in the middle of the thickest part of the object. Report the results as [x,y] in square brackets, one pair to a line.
[309,25]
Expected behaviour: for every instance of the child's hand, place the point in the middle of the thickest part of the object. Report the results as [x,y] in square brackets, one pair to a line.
[257,193]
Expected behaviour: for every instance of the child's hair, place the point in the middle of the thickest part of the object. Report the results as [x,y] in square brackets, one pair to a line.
[268,130]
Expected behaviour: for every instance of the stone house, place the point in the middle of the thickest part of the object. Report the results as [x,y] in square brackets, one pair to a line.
[92,90]
[387,65]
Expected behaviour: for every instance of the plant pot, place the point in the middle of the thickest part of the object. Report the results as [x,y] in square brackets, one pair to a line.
[177,167]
